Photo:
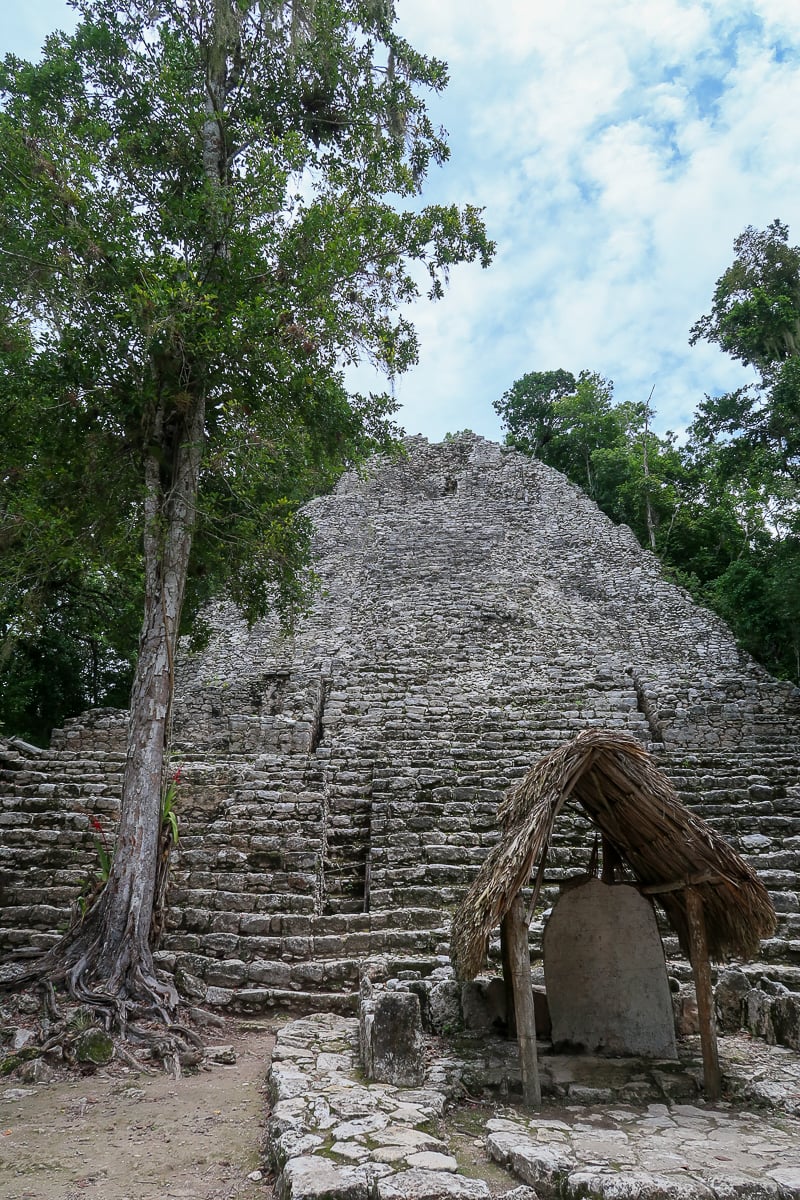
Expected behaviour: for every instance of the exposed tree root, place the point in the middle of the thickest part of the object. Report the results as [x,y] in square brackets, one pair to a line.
[120,992]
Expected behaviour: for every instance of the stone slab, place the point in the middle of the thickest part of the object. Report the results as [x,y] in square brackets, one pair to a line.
[605,973]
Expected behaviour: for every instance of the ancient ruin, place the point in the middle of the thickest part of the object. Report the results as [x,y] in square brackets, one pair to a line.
[339,792]
[340,782]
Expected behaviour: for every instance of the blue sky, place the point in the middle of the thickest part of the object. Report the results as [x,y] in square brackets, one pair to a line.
[618,147]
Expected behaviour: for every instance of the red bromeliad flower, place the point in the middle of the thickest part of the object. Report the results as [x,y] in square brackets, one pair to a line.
[95,824]
[176,777]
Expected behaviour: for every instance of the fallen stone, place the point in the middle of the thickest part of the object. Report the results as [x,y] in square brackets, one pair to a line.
[729,1000]
[26,1003]
[785,1015]
[431,1160]
[190,985]
[483,1004]
[315,1178]
[94,1047]
[36,1071]
[444,1006]
[22,1038]
[417,1184]
[225,1055]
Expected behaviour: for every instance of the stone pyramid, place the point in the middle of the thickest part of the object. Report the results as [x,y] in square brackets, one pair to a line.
[475,609]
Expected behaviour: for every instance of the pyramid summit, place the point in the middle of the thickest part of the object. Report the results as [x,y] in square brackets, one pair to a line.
[468,582]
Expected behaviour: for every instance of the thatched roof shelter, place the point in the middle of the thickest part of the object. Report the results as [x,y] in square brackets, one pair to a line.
[668,849]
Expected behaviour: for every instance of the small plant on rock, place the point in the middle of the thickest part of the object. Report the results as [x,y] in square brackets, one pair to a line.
[93,884]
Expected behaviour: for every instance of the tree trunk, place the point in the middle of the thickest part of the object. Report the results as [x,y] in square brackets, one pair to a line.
[106,959]
[516,926]
[123,958]
[651,526]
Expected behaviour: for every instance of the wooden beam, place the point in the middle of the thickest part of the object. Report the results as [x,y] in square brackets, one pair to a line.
[511,1018]
[516,927]
[698,948]
[658,889]
[612,861]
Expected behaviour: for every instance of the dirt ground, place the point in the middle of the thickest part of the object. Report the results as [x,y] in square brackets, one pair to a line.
[118,1134]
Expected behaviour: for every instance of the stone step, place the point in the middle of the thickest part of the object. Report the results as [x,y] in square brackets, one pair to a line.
[17,937]
[277,903]
[310,925]
[415,895]
[303,949]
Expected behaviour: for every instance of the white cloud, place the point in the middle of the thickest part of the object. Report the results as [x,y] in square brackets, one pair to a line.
[618,149]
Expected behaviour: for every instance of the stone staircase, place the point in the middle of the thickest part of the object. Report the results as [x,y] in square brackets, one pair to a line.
[47,800]
[265,909]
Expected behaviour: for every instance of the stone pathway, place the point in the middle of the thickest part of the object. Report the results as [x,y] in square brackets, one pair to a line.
[679,1151]
[333,1137]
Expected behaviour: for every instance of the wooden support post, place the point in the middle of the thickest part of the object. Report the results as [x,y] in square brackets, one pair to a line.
[516,928]
[508,985]
[698,946]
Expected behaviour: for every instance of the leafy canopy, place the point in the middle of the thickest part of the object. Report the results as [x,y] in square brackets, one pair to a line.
[722,511]
[204,202]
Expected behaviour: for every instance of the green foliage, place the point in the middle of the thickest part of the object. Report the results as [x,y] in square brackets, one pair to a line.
[169,817]
[607,449]
[746,445]
[201,221]
[95,881]
[526,409]
[721,511]
[755,312]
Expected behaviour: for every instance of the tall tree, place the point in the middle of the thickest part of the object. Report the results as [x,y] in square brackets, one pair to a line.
[527,408]
[748,441]
[195,233]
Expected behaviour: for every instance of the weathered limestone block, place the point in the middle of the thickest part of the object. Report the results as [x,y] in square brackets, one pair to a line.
[729,997]
[483,1004]
[785,1014]
[312,1177]
[421,1184]
[390,1039]
[94,1047]
[444,1000]
[757,1014]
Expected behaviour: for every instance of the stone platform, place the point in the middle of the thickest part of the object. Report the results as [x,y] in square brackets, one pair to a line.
[332,1136]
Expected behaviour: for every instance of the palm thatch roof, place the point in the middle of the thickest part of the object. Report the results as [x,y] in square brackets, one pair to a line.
[665,846]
